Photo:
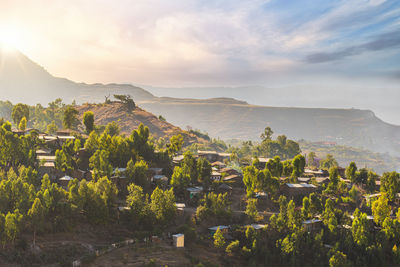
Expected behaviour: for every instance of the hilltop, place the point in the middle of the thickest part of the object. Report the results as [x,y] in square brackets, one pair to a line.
[129,120]
[22,80]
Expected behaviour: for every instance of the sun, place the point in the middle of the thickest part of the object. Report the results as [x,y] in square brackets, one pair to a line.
[9,38]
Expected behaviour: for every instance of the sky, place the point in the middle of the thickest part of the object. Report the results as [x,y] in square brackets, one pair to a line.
[209,43]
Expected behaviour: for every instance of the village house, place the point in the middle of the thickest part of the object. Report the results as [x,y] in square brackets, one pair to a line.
[263,162]
[213,156]
[256,226]
[218,165]
[194,191]
[312,225]
[177,160]
[223,228]
[64,181]
[294,190]
[234,177]
[216,176]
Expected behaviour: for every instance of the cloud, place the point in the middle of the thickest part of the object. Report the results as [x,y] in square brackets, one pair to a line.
[382,42]
[192,42]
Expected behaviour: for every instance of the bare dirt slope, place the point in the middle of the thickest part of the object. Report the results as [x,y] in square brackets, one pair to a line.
[130,120]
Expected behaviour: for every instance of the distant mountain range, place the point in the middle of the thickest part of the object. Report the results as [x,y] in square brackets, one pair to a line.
[22,80]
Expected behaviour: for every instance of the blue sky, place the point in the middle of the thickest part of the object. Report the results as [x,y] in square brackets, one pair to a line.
[211,43]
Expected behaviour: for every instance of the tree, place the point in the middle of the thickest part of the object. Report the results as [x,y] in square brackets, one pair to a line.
[251,209]
[137,174]
[163,205]
[70,117]
[180,180]
[381,209]
[390,184]
[175,144]
[190,166]
[250,179]
[126,100]
[88,121]
[267,134]
[219,240]
[305,210]
[204,171]
[18,112]
[137,202]
[52,128]
[338,259]
[360,228]
[233,247]
[22,124]
[100,164]
[299,163]
[329,217]
[12,225]
[328,162]
[36,215]
[311,158]
[275,166]
[351,171]
[112,129]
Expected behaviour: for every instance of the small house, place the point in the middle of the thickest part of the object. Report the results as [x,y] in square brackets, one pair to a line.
[179,240]
[155,171]
[304,179]
[224,188]
[177,160]
[216,176]
[64,181]
[233,177]
[194,191]
[256,226]
[293,190]
[223,228]
[312,225]
[218,165]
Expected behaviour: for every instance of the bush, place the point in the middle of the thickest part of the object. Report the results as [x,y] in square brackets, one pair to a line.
[233,247]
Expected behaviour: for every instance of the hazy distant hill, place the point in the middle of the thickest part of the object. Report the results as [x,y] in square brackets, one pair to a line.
[22,80]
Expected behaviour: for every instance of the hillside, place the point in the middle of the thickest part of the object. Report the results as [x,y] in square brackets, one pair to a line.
[352,127]
[379,162]
[130,120]
[22,80]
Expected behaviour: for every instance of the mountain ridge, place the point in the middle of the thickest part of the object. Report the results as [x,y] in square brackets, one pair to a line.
[223,117]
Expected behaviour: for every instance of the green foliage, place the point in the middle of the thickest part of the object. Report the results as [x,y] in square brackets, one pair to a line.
[100,164]
[204,171]
[233,247]
[126,100]
[381,209]
[328,162]
[180,180]
[163,205]
[70,120]
[22,124]
[251,209]
[298,163]
[214,206]
[390,184]
[20,111]
[137,174]
[360,228]
[112,129]
[88,121]
[338,259]
[351,171]
[219,240]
